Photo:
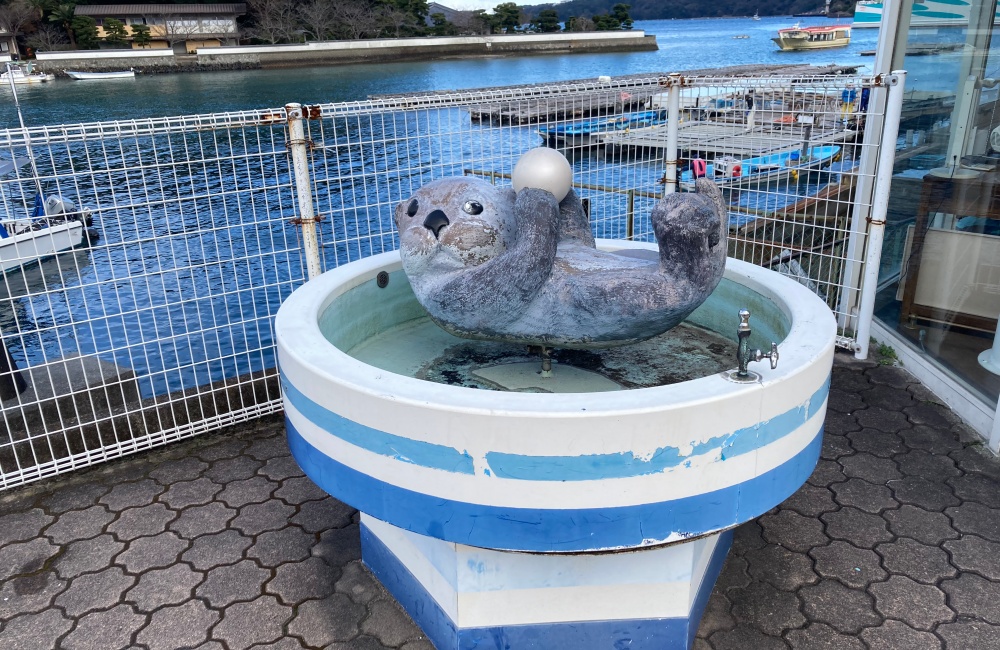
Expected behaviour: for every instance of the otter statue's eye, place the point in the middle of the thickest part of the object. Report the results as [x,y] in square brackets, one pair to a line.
[473,207]
[411,209]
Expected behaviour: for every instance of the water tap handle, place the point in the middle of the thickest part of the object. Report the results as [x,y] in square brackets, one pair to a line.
[772,355]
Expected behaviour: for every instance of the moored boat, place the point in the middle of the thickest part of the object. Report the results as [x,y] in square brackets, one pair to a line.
[592,132]
[813,38]
[84,76]
[24,75]
[760,170]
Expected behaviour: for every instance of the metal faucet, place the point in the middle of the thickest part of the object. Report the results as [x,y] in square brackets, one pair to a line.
[744,354]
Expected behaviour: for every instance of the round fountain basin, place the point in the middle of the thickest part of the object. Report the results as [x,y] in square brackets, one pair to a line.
[604,459]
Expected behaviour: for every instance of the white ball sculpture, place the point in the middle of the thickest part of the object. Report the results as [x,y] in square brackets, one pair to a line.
[544,169]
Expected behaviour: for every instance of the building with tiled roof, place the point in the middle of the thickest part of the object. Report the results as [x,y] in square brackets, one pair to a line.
[184,27]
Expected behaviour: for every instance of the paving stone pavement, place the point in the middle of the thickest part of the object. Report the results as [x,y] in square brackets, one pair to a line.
[220,543]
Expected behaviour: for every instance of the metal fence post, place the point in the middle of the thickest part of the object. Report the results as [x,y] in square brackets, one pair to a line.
[297,145]
[673,124]
[880,206]
[630,215]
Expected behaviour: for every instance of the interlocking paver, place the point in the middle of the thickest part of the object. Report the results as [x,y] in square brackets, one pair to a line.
[766,608]
[974,596]
[131,495]
[743,637]
[835,446]
[93,591]
[225,448]
[389,623]
[748,536]
[173,472]
[734,574]
[864,495]
[870,468]
[198,520]
[224,585]
[151,552]
[79,524]
[928,438]
[890,376]
[969,634]
[247,624]
[977,460]
[290,544]
[975,554]
[811,501]
[72,496]
[851,381]
[978,488]
[855,567]
[141,522]
[875,442]
[895,635]
[256,489]
[780,567]
[216,549]
[281,468]
[34,631]
[793,531]
[321,622]
[170,586]
[29,594]
[359,584]
[921,525]
[717,615]
[890,398]
[922,562]
[845,401]
[266,448]
[922,607]
[108,630]
[181,626]
[299,581]
[857,527]
[25,557]
[888,421]
[826,473]
[933,467]
[823,637]
[316,516]
[839,424]
[190,493]
[934,416]
[977,519]
[259,517]
[918,491]
[339,546]
[362,642]
[299,489]
[232,469]
[22,526]
[846,610]
[87,555]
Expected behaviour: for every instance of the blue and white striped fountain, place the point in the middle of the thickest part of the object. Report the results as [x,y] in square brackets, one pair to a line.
[590,506]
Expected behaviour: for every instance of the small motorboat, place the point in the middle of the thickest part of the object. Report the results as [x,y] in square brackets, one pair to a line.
[592,132]
[86,76]
[728,171]
[813,38]
[24,75]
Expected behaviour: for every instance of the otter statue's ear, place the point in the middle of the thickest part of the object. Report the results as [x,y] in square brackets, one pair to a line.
[508,195]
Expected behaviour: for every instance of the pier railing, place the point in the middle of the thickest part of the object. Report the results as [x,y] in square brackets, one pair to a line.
[161,327]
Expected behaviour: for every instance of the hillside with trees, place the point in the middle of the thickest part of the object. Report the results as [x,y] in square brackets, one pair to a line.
[658,9]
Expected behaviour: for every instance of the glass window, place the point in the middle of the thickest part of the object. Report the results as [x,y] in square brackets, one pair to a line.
[939,280]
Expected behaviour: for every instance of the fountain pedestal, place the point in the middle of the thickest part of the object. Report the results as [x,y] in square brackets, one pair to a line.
[595,518]
[468,597]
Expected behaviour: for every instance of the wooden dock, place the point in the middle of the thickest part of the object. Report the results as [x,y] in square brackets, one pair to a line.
[712,139]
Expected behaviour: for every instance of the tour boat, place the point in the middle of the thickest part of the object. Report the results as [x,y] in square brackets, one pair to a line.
[84,76]
[813,38]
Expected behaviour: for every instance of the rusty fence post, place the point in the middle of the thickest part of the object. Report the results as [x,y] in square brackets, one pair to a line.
[298,146]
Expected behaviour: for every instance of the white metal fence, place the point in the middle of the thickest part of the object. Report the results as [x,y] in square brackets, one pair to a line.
[161,328]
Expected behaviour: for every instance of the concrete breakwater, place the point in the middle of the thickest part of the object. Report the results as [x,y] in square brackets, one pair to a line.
[338,52]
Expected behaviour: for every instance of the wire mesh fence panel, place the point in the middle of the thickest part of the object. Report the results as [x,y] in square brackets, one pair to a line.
[160,326]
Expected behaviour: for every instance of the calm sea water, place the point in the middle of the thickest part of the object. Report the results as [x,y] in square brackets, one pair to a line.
[199,261]
[684,45]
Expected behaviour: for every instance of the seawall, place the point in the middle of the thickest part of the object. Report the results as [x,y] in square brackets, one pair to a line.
[340,52]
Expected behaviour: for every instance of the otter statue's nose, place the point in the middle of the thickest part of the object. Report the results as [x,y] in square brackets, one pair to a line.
[435,221]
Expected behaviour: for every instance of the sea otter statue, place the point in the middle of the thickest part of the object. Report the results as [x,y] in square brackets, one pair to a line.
[521,265]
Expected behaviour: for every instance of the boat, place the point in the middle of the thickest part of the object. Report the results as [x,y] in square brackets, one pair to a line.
[928,13]
[592,132]
[741,36]
[55,225]
[24,75]
[756,15]
[85,76]
[813,38]
[732,172]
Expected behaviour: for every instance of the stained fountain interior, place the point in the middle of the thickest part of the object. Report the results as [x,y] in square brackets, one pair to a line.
[385,327]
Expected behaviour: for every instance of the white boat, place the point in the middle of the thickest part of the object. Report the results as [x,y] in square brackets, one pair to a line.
[813,38]
[55,225]
[759,171]
[24,75]
[84,76]
[756,15]
[927,13]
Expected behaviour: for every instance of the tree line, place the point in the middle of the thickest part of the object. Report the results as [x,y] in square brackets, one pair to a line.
[53,24]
